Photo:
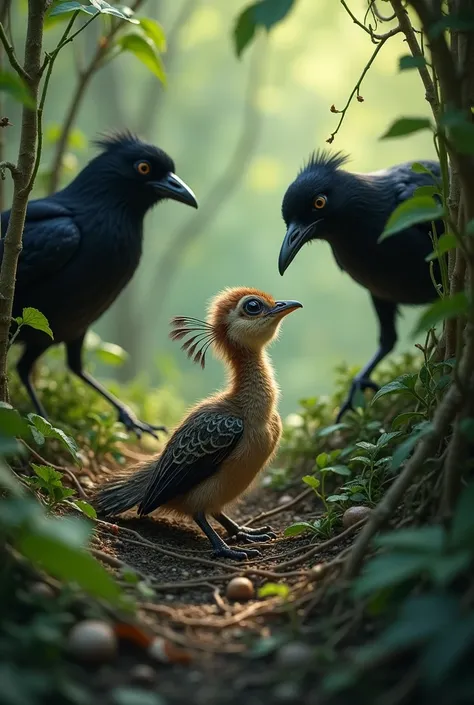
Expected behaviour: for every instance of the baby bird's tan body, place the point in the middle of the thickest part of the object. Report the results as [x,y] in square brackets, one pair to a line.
[223,443]
[252,396]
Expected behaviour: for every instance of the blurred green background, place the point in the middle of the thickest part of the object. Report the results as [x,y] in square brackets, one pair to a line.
[238,131]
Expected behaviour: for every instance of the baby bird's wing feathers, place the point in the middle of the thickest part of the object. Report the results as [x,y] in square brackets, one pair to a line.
[194,453]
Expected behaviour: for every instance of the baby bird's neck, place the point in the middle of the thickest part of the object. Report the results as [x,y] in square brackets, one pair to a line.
[252,386]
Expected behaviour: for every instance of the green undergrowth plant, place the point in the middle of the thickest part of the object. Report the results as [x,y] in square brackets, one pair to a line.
[420,586]
[82,413]
[369,452]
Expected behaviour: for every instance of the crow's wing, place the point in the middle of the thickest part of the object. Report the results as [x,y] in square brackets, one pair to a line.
[50,239]
[194,453]
[406,181]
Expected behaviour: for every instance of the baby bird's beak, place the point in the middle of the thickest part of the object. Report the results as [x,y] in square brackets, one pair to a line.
[283,308]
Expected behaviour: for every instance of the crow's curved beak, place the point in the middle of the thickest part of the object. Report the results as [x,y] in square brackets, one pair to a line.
[171,186]
[296,236]
[283,308]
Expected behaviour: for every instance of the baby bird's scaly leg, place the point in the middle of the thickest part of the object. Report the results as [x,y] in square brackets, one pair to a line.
[221,549]
[244,533]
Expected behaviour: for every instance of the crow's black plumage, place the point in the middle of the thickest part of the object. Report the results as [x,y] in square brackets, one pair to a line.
[81,247]
[349,211]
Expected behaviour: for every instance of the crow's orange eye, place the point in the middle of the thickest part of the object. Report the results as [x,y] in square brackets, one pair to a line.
[320,202]
[143,168]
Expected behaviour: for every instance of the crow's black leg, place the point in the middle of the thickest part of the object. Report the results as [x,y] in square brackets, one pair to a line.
[386,313]
[221,549]
[24,367]
[126,416]
[244,533]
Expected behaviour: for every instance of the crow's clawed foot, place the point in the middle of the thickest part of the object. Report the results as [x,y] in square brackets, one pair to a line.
[245,537]
[358,384]
[136,426]
[243,555]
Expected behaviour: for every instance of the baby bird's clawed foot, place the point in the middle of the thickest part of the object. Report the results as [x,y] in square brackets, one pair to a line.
[241,555]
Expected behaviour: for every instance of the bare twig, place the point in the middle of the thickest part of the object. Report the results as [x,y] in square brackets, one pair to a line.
[356,89]
[374,37]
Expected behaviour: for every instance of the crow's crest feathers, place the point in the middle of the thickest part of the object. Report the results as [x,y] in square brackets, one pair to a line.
[116,138]
[323,158]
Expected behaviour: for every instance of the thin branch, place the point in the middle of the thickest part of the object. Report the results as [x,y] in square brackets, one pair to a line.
[355,90]
[374,37]
[10,52]
[11,167]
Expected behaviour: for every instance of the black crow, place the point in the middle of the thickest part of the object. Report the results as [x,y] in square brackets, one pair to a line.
[81,247]
[350,211]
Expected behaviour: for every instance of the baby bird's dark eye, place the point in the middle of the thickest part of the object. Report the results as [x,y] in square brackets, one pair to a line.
[253,307]
[143,168]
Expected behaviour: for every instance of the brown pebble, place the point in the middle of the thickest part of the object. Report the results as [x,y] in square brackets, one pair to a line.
[240,589]
[353,515]
[142,674]
[40,589]
[285,498]
[93,641]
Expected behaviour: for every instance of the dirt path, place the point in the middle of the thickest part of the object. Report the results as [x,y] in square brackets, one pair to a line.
[222,636]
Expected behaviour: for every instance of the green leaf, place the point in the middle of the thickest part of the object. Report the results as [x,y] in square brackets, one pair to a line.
[338,470]
[411,62]
[16,88]
[11,423]
[337,498]
[144,49]
[442,310]
[35,319]
[406,126]
[404,449]
[86,508]
[427,191]
[444,569]
[411,212]
[406,417]
[48,474]
[401,385]
[462,527]
[46,430]
[460,130]
[298,528]
[425,539]
[445,653]
[311,481]
[385,438]
[63,8]
[419,168]
[274,589]
[446,243]
[111,354]
[56,546]
[155,32]
[390,570]
[322,460]
[265,13]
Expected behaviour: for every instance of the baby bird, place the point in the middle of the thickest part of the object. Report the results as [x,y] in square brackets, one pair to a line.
[222,444]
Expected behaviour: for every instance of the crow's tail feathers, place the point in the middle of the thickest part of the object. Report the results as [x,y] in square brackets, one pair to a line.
[120,495]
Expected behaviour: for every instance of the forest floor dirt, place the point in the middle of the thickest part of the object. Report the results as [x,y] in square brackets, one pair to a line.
[226,640]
